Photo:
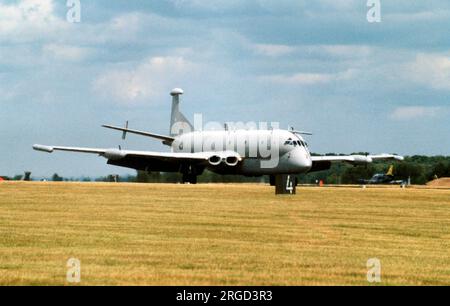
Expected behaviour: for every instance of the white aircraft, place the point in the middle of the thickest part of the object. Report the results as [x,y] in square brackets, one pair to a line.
[248,152]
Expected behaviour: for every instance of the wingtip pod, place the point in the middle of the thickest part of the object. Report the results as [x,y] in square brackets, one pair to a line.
[42,148]
[393,156]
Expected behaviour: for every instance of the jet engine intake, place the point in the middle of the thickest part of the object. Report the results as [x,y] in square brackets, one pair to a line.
[229,159]
[232,161]
[215,160]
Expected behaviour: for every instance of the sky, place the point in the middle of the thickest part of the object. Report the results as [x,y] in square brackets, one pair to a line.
[318,66]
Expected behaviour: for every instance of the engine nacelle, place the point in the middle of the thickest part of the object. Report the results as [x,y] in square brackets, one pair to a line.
[215,160]
[230,159]
[114,154]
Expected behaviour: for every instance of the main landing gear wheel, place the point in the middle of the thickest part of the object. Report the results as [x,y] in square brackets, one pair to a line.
[189,178]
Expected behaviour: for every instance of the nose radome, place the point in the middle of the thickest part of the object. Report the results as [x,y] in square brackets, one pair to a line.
[301,158]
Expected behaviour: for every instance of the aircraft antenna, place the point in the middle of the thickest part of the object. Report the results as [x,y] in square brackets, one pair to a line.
[124,134]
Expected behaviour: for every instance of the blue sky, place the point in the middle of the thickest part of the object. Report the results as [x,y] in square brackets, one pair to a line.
[315,65]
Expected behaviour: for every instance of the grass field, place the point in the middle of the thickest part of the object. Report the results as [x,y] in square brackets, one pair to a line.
[135,234]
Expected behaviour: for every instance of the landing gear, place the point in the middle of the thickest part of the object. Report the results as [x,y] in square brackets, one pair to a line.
[189,178]
[272,180]
[284,183]
[189,175]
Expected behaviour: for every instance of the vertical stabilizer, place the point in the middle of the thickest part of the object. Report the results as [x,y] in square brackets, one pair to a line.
[178,122]
[390,171]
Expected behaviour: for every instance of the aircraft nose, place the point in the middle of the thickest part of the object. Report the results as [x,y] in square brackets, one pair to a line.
[301,159]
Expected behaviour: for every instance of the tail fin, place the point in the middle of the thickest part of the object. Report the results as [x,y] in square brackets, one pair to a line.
[178,122]
[390,171]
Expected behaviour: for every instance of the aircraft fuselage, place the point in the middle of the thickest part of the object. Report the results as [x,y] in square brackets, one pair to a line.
[263,152]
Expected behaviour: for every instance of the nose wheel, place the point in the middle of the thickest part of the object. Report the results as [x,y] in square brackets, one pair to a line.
[284,183]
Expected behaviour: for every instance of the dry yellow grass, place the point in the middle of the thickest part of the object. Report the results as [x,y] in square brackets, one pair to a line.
[221,234]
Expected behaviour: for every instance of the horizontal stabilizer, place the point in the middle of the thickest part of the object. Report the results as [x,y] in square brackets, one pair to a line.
[165,139]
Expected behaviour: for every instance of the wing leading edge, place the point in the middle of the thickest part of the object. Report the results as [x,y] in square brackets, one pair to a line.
[320,163]
[140,160]
[118,153]
[356,159]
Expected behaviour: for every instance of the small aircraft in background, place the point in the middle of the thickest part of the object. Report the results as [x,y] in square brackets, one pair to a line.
[383,178]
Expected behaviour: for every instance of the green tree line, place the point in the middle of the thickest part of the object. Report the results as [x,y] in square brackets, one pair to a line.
[419,169]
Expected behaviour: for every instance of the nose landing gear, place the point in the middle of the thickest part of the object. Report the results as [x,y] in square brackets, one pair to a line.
[284,183]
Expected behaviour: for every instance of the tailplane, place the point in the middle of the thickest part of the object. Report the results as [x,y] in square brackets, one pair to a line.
[178,122]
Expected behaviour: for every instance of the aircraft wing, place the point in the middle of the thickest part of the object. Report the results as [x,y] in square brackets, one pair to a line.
[140,160]
[320,163]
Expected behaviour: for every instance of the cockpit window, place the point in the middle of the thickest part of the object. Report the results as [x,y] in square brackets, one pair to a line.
[288,142]
[295,143]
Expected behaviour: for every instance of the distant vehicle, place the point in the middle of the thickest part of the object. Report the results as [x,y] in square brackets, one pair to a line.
[383,178]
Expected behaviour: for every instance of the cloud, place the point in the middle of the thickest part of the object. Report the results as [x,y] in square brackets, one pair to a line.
[149,79]
[345,50]
[419,16]
[415,112]
[210,5]
[273,50]
[66,52]
[27,18]
[431,70]
[309,78]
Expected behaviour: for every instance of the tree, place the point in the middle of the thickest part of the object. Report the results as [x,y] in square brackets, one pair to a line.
[353,174]
[441,169]
[411,170]
[57,178]
[142,177]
